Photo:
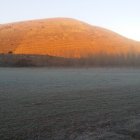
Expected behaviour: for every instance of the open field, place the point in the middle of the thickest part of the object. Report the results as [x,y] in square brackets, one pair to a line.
[69,104]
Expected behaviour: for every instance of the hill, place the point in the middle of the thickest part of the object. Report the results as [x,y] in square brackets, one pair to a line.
[64,42]
[63,37]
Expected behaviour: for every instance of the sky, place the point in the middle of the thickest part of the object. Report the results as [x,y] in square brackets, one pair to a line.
[121,16]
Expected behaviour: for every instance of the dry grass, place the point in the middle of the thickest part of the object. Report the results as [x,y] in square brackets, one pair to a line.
[62,37]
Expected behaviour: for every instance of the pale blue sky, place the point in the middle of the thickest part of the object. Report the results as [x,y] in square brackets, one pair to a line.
[122,16]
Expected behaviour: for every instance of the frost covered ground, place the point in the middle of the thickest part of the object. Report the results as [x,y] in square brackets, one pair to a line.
[69,104]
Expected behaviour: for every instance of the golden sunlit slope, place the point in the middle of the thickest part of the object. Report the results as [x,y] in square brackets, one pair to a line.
[62,37]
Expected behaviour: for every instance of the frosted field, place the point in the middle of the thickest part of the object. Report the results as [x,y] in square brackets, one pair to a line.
[69,104]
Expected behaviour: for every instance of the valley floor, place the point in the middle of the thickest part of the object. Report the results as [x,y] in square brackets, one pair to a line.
[69,104]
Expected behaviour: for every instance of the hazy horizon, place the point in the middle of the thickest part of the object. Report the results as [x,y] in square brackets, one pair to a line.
[119,16]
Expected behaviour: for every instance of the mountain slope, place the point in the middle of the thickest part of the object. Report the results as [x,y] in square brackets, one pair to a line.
[63,37]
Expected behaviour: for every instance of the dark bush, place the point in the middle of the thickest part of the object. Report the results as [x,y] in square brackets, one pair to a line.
[10,52]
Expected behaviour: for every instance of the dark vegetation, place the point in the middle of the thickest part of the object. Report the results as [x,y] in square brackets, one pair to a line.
[102,60]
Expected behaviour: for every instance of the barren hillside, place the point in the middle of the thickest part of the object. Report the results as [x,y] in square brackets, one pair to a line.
[63,37]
